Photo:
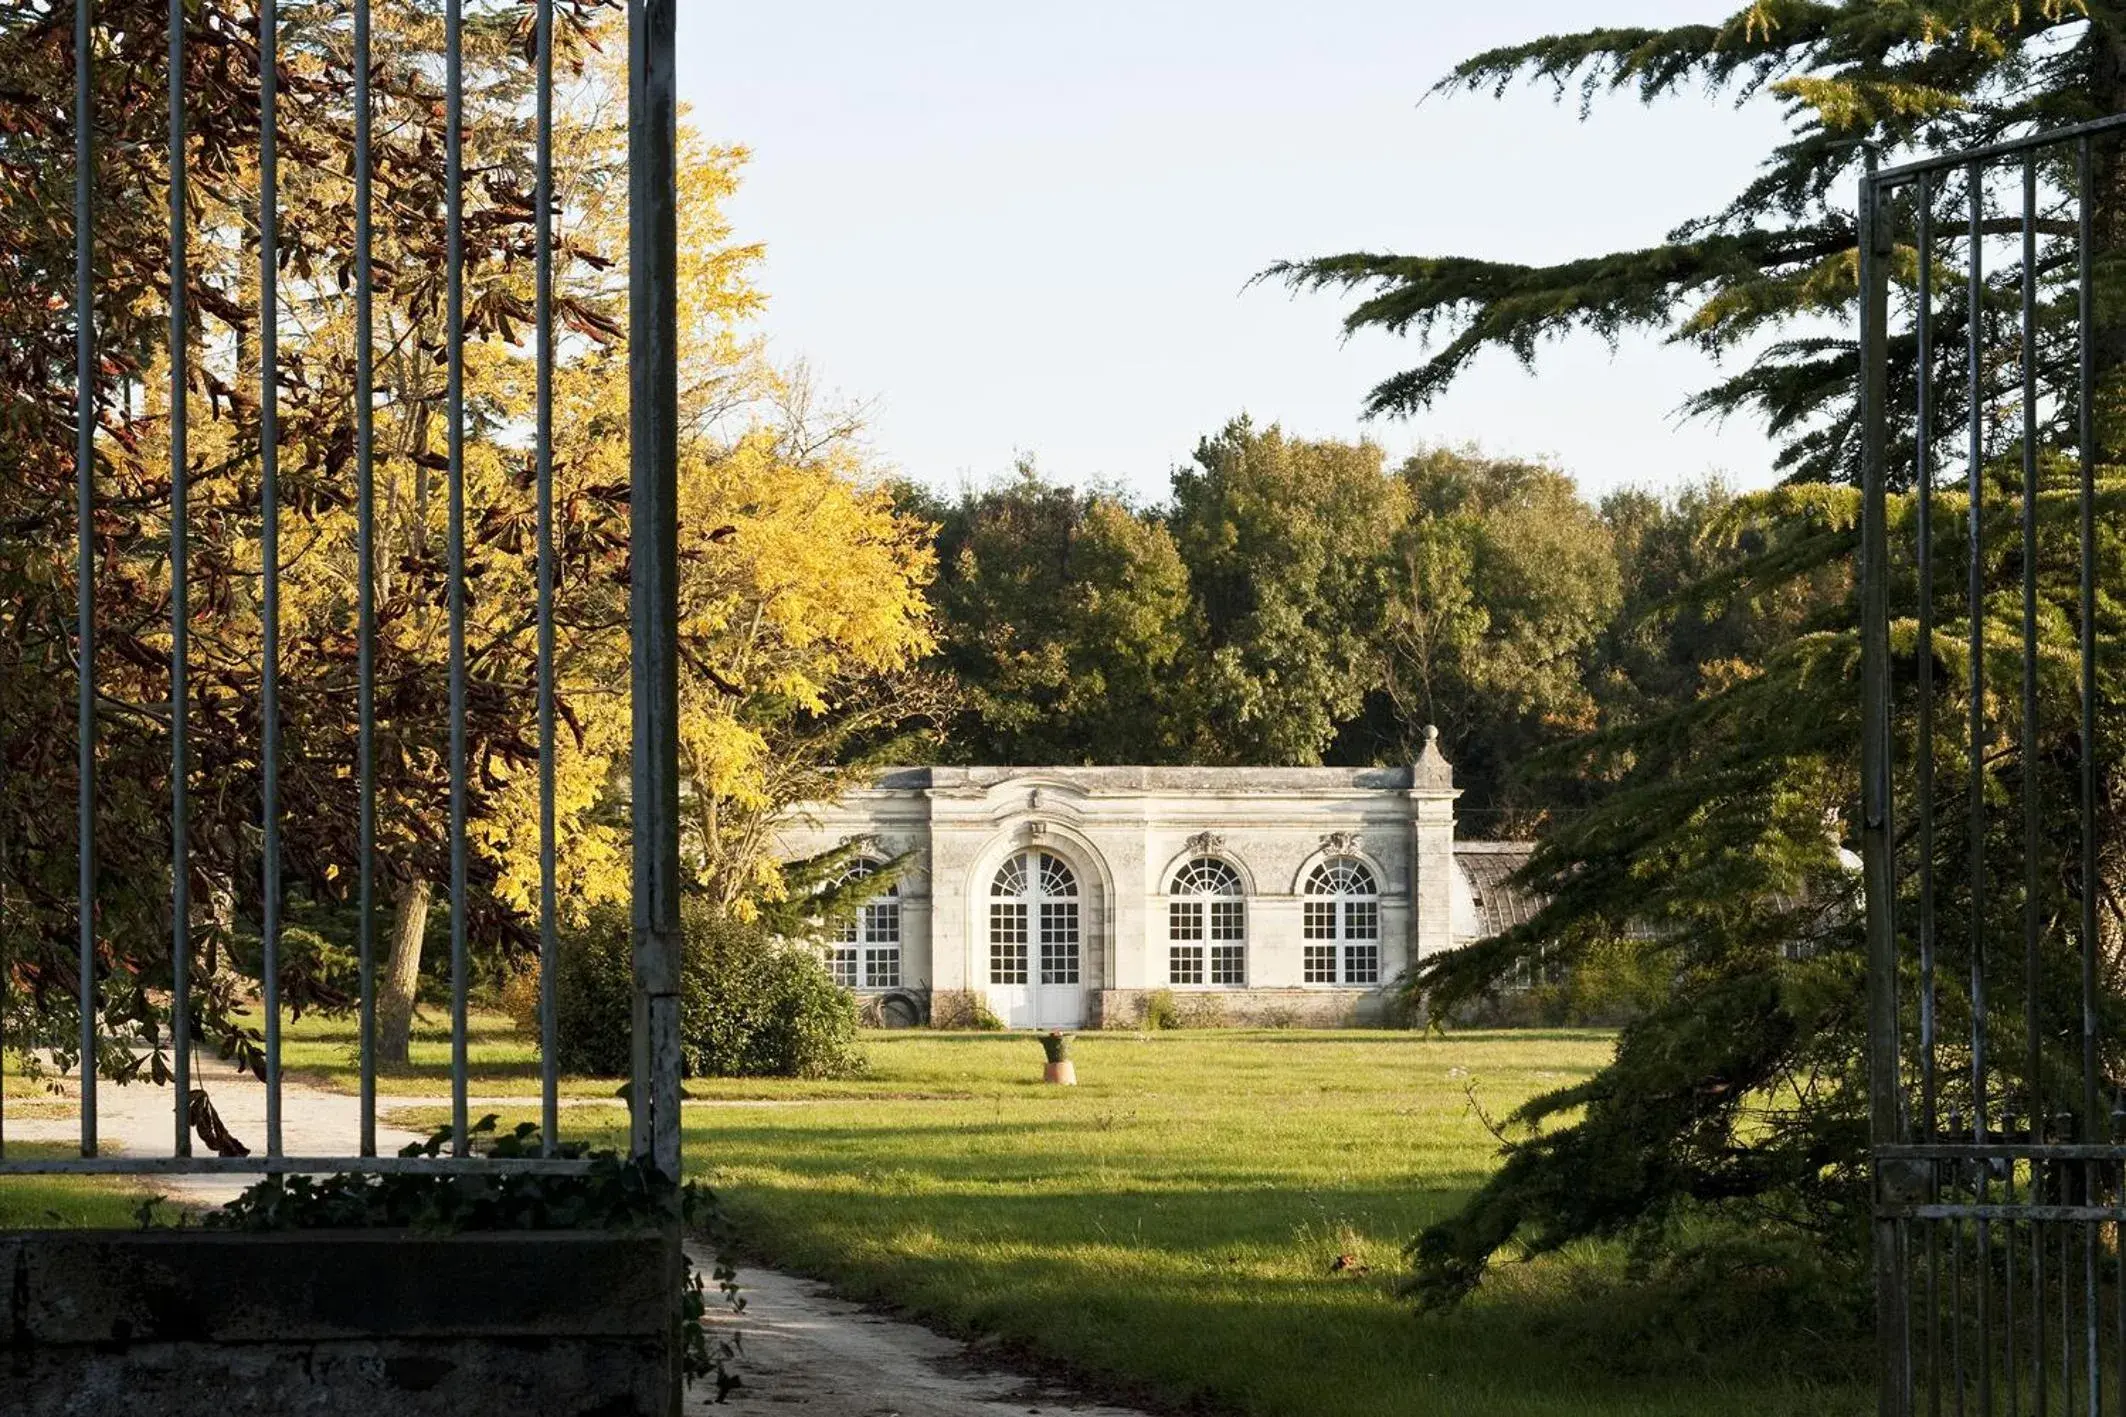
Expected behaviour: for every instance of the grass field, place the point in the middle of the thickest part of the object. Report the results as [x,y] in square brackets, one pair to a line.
[67,1202]
[1170,1227]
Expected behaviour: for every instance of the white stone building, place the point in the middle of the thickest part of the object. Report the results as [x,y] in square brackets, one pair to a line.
[1063,896]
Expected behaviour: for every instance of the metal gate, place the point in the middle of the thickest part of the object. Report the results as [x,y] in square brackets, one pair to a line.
[652,538]
[1989,765]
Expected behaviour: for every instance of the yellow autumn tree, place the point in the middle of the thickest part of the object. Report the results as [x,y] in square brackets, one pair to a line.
[803,590]
[803,614]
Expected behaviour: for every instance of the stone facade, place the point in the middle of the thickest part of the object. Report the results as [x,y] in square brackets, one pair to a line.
[1064,896]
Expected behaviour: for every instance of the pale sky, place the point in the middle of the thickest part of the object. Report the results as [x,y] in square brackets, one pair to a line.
[1011,228]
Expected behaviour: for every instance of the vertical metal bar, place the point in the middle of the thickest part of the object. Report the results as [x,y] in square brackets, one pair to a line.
[1933,1303]
[1982,1279]
[2086,436]
[2011,1357]
[454,223]
[180,610]
[654,469]
[365,573]
[1974,546]
[85,553]
[2032,923]
[1974,540]
[1956,1299]
[1923,480]
[2092,1311]
[2066,1302]
[269,542]
[549,1090]
[2028,765]
[1892,1314]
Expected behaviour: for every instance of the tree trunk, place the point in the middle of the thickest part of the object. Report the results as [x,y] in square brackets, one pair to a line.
[395,1001]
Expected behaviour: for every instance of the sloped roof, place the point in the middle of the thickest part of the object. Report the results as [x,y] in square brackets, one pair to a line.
[1498,902]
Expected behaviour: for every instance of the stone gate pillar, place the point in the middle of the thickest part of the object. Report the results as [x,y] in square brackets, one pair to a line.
[1432,794]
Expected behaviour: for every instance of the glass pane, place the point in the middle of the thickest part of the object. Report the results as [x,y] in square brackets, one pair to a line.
[1007,944]
[1059,942]
[882,968]
[1056,878]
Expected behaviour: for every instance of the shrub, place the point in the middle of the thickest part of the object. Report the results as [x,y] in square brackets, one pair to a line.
[1613,983]
[594,998]
[1721,1300]
[750,1005]
[518,996]
[963,1008]
[1157,1010]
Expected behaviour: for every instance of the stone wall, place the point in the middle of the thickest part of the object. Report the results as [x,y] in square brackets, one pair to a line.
[177,1323]
[1248,1008]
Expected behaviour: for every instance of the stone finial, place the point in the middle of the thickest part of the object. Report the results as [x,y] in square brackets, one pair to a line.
[1431,768]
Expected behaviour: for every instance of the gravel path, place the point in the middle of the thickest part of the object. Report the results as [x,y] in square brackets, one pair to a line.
[807,1351]
[804,1350]
[137,1119]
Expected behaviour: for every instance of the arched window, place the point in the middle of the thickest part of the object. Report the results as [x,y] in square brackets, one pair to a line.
[1207,924]
[866,950]
[1033,896]
[1341,924]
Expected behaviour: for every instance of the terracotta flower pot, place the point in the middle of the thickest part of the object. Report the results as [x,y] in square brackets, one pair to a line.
[1065,1072]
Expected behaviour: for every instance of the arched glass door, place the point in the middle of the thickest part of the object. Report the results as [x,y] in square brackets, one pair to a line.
[1036,975]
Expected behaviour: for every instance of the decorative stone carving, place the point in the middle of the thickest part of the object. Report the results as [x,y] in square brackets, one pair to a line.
[1206,844]
[863,841]
[1036,830]
[1340,843]
[1033,800]
[1431,768]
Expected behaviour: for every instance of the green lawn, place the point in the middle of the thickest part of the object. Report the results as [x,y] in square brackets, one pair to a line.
[67,1202]
[1168,1228]
[500,1060]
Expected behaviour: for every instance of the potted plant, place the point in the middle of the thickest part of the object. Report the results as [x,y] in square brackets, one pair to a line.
[1056,1044]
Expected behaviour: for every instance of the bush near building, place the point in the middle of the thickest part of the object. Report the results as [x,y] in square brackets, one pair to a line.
[750,1004]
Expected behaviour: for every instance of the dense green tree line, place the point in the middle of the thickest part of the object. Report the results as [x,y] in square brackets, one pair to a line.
[1308,601]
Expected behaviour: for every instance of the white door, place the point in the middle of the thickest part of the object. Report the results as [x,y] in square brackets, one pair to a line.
[1036,943]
